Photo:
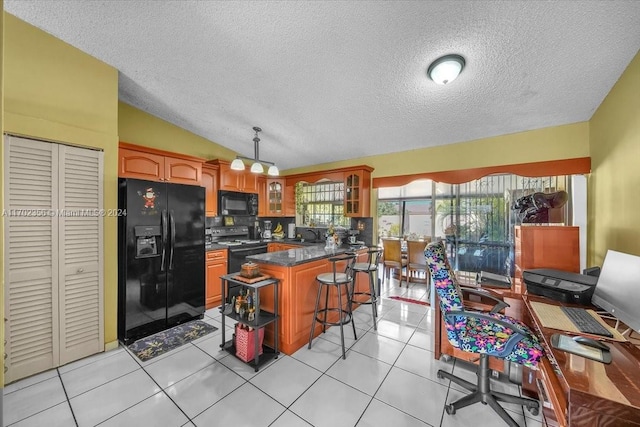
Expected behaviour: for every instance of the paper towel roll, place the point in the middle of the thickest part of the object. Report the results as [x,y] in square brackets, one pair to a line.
[291,231]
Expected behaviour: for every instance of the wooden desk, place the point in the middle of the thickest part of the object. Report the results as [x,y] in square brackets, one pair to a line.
[580,392]
[585,392]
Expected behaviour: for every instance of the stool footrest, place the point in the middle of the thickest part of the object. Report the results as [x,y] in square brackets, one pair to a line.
[346,318]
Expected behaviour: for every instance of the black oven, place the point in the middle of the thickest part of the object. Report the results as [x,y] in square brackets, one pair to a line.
[238,253]
[236,203]
[236,256]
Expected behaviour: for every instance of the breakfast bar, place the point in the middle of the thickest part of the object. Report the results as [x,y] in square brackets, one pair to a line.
[296,269]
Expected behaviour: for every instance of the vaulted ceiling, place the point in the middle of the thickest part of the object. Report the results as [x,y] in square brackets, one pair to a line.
[335,80]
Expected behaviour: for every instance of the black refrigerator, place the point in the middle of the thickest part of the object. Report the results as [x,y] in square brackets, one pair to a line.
[161,266]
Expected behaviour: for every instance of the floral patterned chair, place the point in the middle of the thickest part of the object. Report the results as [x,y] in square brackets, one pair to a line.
[485,333]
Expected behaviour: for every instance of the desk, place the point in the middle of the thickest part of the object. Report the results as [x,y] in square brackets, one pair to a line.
[580,392]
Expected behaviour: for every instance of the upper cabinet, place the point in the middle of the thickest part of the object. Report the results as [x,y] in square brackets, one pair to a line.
[357,189]
[230,180]
[210,178]
[156,165]
[262,191]
[275,196]
[357,193]
[289,199]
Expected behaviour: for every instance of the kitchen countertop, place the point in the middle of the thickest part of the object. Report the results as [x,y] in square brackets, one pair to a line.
[214,247]
[291,257]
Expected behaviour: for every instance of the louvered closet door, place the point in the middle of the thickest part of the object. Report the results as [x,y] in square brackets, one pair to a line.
[80,243]
[31,263]
[53,273]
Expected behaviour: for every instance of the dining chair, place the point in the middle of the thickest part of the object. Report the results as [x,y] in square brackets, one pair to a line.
[416,262]
[392,257]
[486,333]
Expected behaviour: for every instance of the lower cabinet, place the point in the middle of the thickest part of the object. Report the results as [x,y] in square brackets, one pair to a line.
[216,266]
[277,247]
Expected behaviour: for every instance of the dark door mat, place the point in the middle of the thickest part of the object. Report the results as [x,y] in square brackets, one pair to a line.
[154,345]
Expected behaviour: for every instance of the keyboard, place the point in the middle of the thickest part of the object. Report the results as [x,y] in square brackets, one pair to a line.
[585,322]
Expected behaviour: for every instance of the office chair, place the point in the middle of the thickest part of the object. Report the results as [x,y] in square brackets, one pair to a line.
[485,333]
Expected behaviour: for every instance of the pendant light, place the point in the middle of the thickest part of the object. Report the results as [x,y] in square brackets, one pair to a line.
[256,166]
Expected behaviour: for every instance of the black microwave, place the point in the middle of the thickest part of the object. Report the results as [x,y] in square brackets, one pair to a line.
[236,203]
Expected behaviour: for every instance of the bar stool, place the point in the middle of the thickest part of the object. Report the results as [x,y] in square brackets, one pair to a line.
[369,268]
[341,281]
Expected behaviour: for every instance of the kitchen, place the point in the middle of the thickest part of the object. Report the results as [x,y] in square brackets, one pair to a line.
[226,224]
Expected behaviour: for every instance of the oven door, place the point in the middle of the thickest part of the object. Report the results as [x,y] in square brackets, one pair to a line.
[237,255]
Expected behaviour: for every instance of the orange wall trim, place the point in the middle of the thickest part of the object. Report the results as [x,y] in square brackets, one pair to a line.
[579,165]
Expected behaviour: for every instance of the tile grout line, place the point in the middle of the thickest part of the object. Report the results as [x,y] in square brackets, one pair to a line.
[73,414]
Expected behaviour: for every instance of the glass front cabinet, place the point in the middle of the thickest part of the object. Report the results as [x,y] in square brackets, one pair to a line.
[275,193]
[357,187]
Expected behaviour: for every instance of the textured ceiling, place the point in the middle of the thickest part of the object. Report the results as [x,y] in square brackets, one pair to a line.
[335,80]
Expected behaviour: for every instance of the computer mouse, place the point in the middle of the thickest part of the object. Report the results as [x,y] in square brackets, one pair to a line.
[591,342]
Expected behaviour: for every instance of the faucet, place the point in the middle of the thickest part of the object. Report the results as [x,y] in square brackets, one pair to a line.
[316,234]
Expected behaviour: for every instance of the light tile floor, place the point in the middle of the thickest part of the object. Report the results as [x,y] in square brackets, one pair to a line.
[388,378]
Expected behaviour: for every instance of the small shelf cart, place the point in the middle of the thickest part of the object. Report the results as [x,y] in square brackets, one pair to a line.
[262,318]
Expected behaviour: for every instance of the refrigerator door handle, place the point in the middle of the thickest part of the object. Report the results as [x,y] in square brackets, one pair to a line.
[172,226]
[163,224]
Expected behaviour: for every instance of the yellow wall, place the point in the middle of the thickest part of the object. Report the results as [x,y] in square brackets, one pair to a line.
[614,184]
[137,127]
[1,195]
[553,143]
[55,92]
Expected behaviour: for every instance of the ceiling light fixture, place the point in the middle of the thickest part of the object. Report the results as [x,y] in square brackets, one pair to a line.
[446,69]
[256,167]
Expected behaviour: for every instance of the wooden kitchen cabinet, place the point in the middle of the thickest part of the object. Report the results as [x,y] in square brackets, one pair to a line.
[545,246]
[210,176]
[357,189]
[277,247]
[156,165]
[275,196]
[262,198]
[243,181]
[357,185]
[289,198]
[216,266]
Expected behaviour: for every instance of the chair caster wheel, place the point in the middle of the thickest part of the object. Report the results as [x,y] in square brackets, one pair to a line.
[439,375]
[534,411]
[450,409]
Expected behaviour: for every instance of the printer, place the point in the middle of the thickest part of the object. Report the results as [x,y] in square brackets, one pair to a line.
[560,285]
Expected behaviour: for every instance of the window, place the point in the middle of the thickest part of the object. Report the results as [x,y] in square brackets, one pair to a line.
[406,211]
[321,204]
[475,219]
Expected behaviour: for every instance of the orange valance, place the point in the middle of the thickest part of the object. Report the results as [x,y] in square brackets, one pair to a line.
[579,165]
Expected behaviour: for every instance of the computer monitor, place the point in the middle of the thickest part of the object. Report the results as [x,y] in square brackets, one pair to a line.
[618,288]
